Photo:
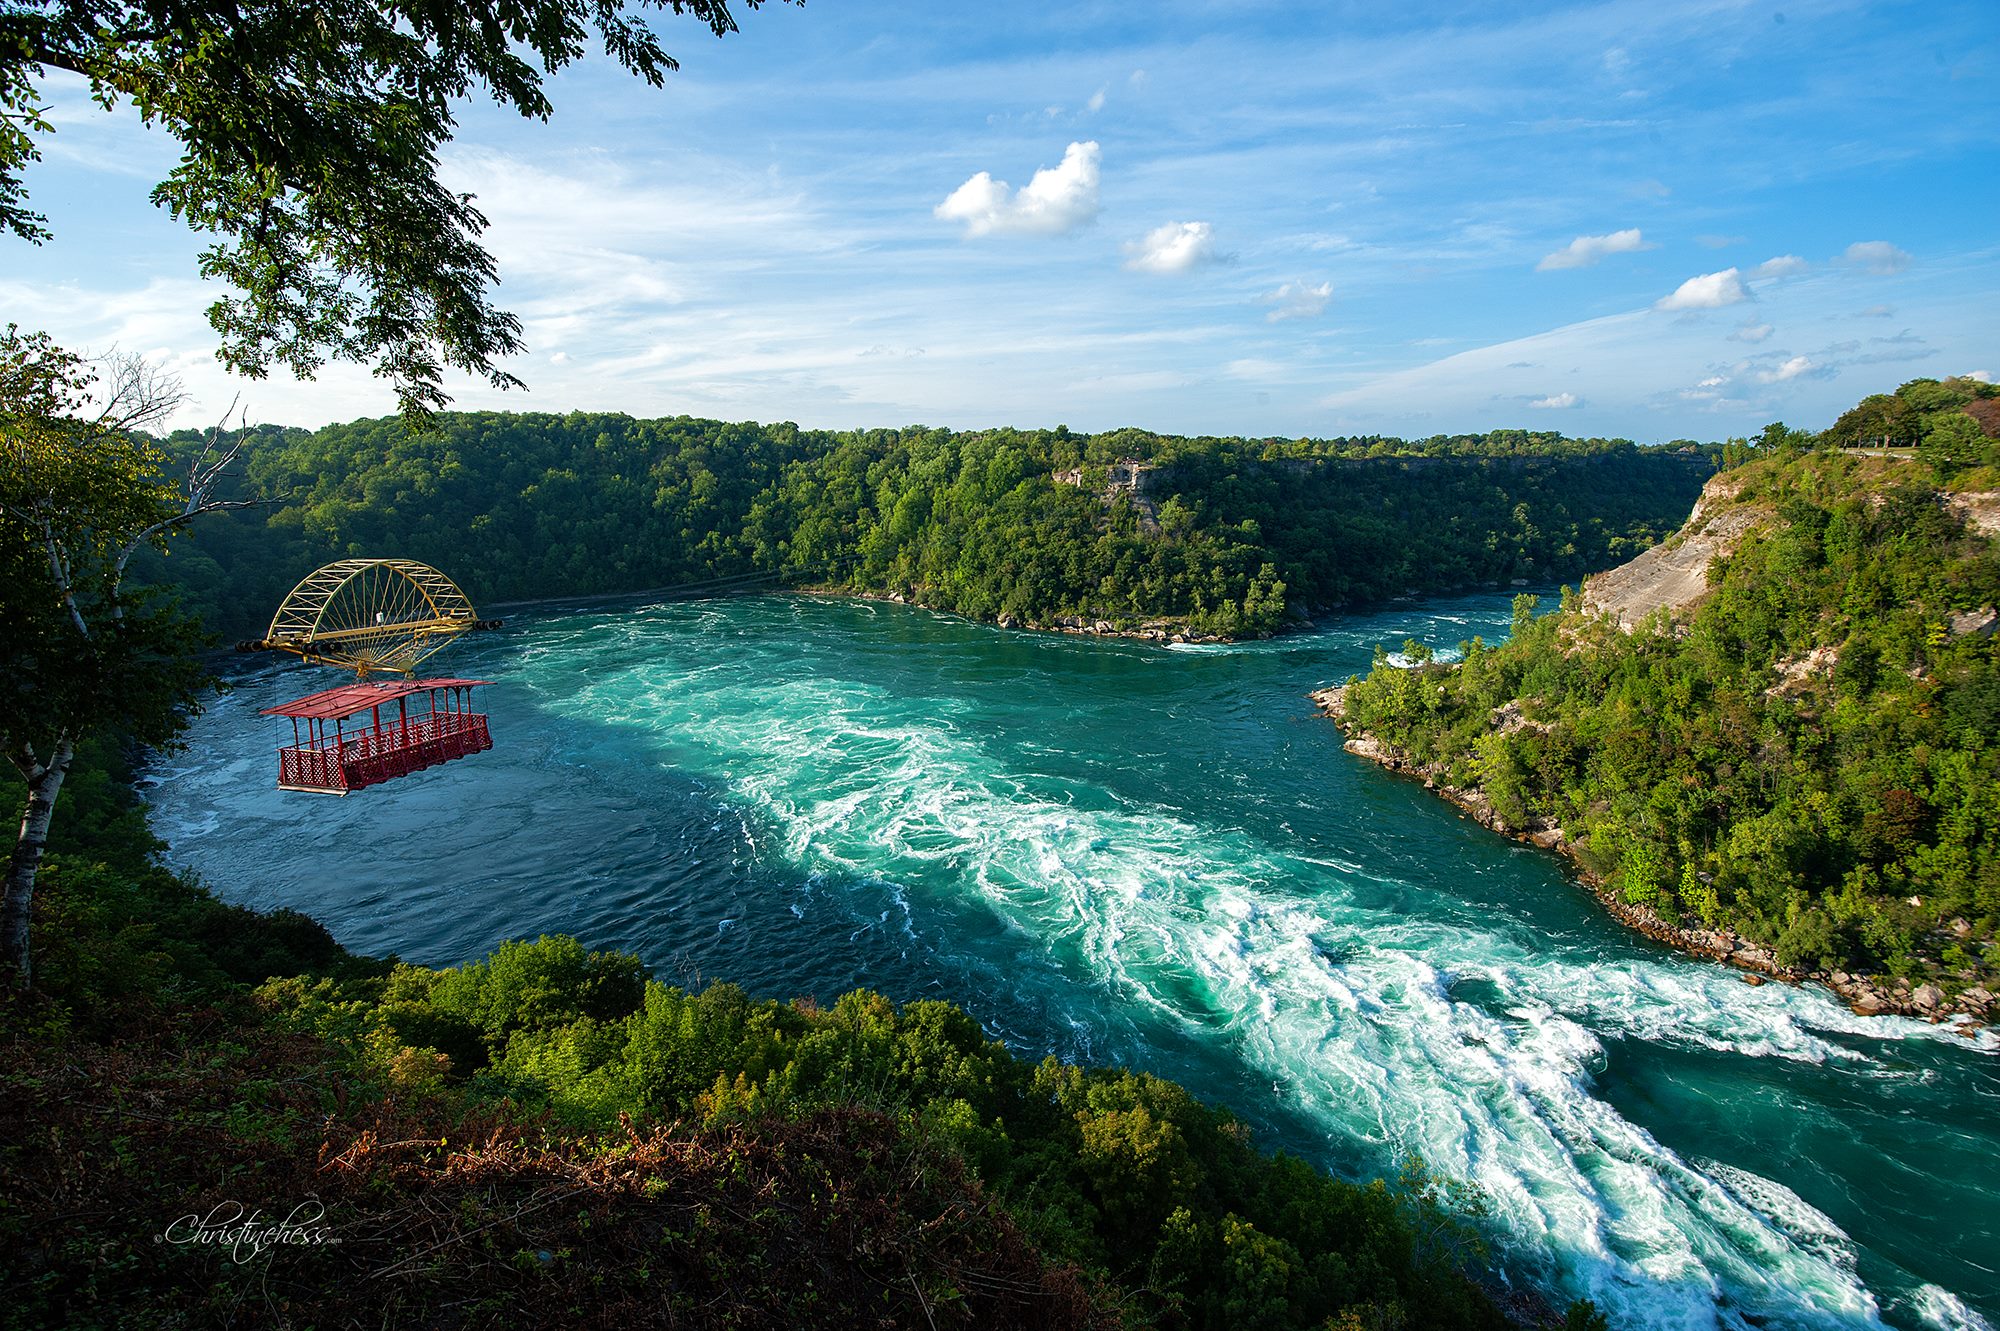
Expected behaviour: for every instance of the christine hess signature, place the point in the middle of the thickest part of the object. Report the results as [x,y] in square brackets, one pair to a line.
[246,1233]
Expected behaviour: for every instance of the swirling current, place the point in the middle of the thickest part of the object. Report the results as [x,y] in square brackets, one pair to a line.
[1159,857]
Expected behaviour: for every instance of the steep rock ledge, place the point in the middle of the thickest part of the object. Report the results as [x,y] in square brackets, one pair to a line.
[1674,574]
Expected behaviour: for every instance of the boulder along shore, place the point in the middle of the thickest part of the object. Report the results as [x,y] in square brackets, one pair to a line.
[1868,996]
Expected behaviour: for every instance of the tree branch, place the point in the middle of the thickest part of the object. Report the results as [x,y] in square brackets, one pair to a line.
[21,754]
[59,570]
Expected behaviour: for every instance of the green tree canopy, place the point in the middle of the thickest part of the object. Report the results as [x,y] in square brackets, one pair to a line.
[80,493]
[311,137]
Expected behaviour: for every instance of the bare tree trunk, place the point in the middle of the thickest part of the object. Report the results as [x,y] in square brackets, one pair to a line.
[44,784]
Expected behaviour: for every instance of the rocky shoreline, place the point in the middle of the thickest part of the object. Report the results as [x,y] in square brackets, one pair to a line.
[1866,996]
[1158,631]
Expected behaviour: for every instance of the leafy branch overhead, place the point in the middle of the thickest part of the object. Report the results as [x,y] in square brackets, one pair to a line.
[311,137]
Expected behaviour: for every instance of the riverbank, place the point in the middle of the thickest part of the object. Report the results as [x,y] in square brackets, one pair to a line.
[1157,631]
[1868,996]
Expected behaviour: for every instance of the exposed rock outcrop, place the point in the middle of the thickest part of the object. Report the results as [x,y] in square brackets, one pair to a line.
[1979,508]
[1136,480]
[1799,674]
[1674,573]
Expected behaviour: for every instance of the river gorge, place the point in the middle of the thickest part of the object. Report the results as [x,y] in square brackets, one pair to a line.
[1157,856]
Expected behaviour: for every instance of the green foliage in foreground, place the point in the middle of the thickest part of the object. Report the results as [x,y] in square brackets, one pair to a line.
[1842,808]
[1124,1173]
[1163,1200]
[1230,535]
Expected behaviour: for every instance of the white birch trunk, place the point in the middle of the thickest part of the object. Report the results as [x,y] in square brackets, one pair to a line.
[16,913]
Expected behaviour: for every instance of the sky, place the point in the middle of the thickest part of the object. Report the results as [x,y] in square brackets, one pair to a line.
[1654,219]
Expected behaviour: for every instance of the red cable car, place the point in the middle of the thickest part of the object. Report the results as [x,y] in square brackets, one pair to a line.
[374,616]
[326,755]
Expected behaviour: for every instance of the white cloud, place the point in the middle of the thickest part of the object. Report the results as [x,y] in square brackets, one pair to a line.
[1785,265]
[1877,256]
[1980,376]
[1710,291]
[1556,401]
[1059,199]
[1258,369]
[1096,102]
[1587,250]
[1298,300]
[1751,331]
[1791,369]
[1173,248]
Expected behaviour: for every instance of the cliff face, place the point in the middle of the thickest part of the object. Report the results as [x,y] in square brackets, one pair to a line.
[1673,575]
[1136,480]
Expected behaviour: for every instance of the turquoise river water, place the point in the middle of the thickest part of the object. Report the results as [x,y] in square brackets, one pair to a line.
[1158,857]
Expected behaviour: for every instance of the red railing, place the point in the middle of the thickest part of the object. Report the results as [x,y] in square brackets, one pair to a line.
[370,757]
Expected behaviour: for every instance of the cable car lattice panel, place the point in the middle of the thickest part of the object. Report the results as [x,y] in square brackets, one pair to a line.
[360,735]
[371,615]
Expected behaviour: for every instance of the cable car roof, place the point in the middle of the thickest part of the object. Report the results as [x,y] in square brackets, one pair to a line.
[347,699]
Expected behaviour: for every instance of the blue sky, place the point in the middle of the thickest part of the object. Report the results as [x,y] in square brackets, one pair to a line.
[1657,220]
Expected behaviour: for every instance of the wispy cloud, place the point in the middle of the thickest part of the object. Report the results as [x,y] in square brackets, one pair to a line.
[1587,250]
[1298,300]
[1751,332]
[1710,291]
[1556,402]
[1877,256]
[1176,247]
[1785,265]
[1060,198]
[1790,369]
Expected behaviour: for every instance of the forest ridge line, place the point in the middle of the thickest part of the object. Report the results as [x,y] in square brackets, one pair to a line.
[1223,537]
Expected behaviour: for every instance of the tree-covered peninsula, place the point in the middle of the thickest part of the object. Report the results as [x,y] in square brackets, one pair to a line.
[1122,531]
[1779,734]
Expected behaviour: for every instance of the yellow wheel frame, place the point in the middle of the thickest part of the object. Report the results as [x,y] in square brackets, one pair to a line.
[371,615]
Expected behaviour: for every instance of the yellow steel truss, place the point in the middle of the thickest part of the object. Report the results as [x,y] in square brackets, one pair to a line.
[371,615]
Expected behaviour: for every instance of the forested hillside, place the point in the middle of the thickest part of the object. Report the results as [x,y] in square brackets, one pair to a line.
[1809,754]
[1223,536]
